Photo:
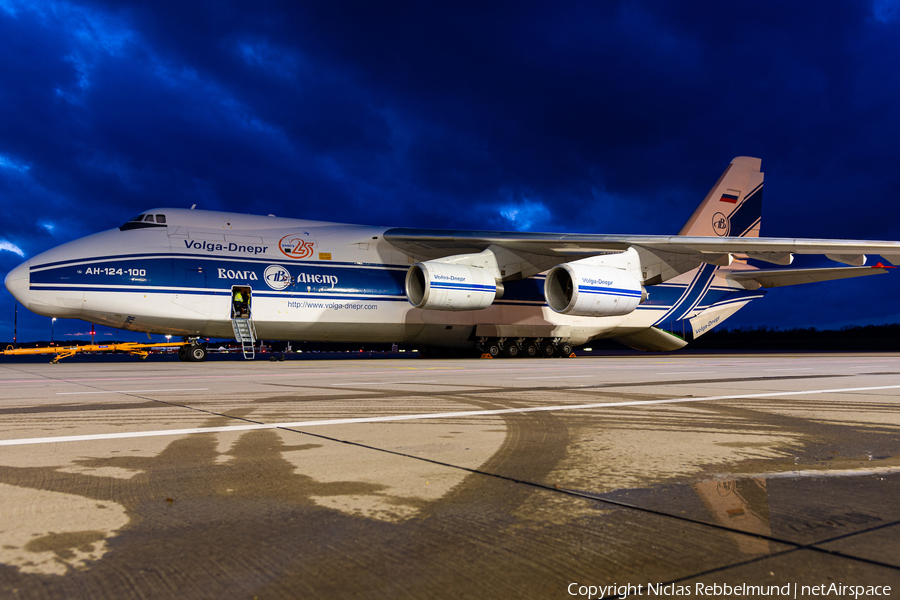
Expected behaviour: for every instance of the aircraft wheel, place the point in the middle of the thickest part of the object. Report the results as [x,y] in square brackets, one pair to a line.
[513,350]
[183,353]
[493,348]
[531,350]
[547,350]
[197,353]
[565,349]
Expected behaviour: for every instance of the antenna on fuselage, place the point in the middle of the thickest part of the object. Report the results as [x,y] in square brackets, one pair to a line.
[193,206]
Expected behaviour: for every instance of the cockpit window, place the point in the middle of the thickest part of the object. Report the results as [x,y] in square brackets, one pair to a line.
[144,221]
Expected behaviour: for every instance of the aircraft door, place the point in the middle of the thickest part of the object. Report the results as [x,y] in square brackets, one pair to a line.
[190,277]
[241,299]
[191,285]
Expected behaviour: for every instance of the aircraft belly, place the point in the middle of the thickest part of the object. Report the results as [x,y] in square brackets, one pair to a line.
[357,320]
[153,312]
[461,328]
[362,320]
[387,333]
[639,320]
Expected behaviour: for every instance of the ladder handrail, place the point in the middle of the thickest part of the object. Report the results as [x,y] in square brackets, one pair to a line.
[245,333]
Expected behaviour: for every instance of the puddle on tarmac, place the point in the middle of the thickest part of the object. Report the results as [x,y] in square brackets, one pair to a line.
[808,505]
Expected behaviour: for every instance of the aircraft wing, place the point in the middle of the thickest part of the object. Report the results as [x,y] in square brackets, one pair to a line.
[662,257]
[781,277]
[436,243]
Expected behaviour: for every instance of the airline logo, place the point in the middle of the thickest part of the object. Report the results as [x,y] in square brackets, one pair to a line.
[318,279]
[592,281]
[230,247]
[720,224]
[277,277]
[709,325]
[448,277]
[297,245]
[232,274]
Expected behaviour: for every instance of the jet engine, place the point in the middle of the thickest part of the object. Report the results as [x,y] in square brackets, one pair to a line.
[441,286]
[592,291]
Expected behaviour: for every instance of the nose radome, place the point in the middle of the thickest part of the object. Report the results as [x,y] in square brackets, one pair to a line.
[18,282]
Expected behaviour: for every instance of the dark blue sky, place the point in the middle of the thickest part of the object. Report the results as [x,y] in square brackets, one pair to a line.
[598,117]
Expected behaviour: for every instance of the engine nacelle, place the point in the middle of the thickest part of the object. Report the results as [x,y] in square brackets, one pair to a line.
[592,291]
[441,286]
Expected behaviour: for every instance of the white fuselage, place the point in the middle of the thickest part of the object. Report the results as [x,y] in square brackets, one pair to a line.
[310,281]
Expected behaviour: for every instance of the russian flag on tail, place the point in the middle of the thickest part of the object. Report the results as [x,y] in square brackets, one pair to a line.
[730,196]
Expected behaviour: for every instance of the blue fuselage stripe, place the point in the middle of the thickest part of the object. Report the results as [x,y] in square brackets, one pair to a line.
[275,260]
[692,295]
[159,273]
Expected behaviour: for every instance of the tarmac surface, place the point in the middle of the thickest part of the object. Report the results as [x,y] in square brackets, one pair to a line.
[547,478]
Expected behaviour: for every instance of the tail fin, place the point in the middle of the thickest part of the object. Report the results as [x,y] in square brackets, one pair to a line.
[734,205]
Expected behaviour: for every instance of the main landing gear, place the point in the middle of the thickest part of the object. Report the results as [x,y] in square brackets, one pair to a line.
[192,352]
[524,347]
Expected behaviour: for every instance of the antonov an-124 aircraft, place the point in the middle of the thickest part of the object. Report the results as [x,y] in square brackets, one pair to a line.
[176,271]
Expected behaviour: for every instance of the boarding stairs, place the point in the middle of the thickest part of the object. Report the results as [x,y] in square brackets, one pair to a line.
[245,333]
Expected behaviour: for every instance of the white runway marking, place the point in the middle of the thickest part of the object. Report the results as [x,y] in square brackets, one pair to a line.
[385,382]
[688,373]
[448,415]
[558,377]
[132,391]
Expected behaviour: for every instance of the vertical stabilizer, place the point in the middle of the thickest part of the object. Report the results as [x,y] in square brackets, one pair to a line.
[734,205]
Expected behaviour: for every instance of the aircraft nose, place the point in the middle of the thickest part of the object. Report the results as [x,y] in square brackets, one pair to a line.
[18,281]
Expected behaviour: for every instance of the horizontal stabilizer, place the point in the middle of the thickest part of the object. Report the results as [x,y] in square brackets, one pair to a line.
[781,277]
[714,316]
